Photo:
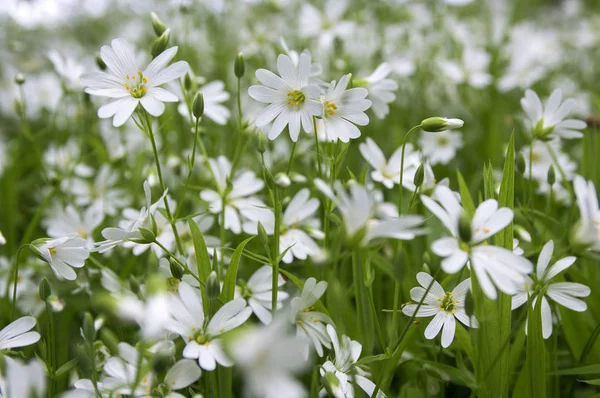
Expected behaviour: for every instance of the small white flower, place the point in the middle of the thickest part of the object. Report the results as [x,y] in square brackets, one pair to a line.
[325,25]
[342,109]
[564,293]
[293,101]
[587,230]
[182,374]
[444,306]
[122,373]
[550,120]
[17,334]
[203,342]
[258,292]
[68,68]
[214,96]
[69,221]
[63,253]
[152,315]
[381,90]
[298,219]
[23,379]
[2,239]
[129,86]
[440,147]
[472,69]
[386,172]
[541,161]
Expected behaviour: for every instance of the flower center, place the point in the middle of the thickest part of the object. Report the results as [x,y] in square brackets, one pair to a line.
[173,284]
[442,141]
[329,108]
[447,303]
[535,156]
[295,98]
[52,251]
[136,84]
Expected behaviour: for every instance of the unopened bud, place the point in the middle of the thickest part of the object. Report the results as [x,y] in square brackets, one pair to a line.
[89,331]
[262,234]
[437,124]
[298,178]
[213,287]
[464,228]
[282,180]
[147,234]
[187,82]
[332,385]
[110,340]
[157,24]
[44,289]
[176,269]
[238,66]
[419,176]
[19,78]
[100,63]
[161,43]
[261,143]
[198,105]
[551,176]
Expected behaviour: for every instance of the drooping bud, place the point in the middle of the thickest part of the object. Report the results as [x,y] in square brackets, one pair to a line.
[176,269]
[419,176]
[213,287]
[282,180]
[100,63]
[44,289]
[238,66]
[437,124]
[19,78]
[198,105]
[147,234]
[464,228]
[551,176]
[521,164]
[161,43]
[89,331]
[261,143]
[157,24]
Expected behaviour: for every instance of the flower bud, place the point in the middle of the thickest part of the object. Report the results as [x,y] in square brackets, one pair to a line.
[176,269]
[282,180]
[100,63]
[464,228]
[161,43]
[213,287]
[187,82]
[437,124]
[147,234]
[110,341]
[419,176]
[44,290]
[332,385]
[157,24]
[262,234]
[521,164]
[89,331]
[261,143]
[198,105]
[551,178]
[238,66]
[298,178]
[19,78]
[55,303]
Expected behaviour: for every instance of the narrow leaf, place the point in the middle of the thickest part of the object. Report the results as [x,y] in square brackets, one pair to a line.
[231,276]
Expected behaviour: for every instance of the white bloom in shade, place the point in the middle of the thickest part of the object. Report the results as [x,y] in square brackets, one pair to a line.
[121,373]
[63,253]
[343,366]
[68,221]
[441,147]
[381,90]
[297,226]
[269,357]
[549,120]
[587,230]
[342,109]
[129,86]
[68,68]
[182,374]
[258,292]
[17,334]
[564,293]
[541,161]
[385,171]
[444,306]
[203,342]
[357,211]
[23,379]
[472,69]
[243,211]
[214,95]
[492,265]
[326,25]
[292,100]
[311,324]
[152,315]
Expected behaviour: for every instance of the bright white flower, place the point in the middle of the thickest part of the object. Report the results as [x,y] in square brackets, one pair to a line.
[326,25]
[293,101]
[444,306]
[152,314]
[472,69]
[492,265]
[541,161]
[587,230]
[258,291]
[269,357]
[440,147]
[342,109]
[17,334]
[68,221]
[64,160]
[357,211]
[23,379]
[381,90]
[214,95]
[564,293]
[311,324]
[121,374]
[203,342]
[2,239]
[386,172]
[63,253]
[343,366]
[128,85]
[68,68]
[298,219]
[182,374]
[550,120]
[243,211]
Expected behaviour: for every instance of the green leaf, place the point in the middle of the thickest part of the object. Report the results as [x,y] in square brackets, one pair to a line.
[202,258]
[535,357]
[465,195]
[66,367]
[372,358]
[366,318]
[450,373]
[581,370]
[231,276]
[594,382]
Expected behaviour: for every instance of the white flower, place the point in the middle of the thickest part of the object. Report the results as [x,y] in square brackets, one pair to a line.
[381,90]
[472,69]
[293,101]
[23,380]
[68,221]
[214,95]
[182,374]
[128,85]
[549,120]
[344,368]
[440,147]
[122,373]
[492,265]
[541,161]
[17,334]
[326,25]
[444,306]
[357,211]
[342,109]
[203,342]
[152,315]
[298,219]
[311,324]
[564,293]
[2,239]
[269,357]
[68,68]
[258,292]
[243,211]
[587,230]
[386,172]
[63,253]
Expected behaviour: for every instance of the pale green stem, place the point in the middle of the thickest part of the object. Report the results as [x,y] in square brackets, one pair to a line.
[15,281]
[190,171]
[317,148]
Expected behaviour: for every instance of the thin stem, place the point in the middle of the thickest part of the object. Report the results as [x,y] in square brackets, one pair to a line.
[406,137]
[561,171]
[275,255]
[320,172]
[222,239]
[190,171]
[15,281]
[287,170]
[51,349]
[239,101]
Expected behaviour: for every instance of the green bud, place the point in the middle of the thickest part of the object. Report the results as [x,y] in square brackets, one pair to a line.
[134,284]
[161,43]
[261,143]
[551,176]
[469,303]
[282,180]
[262,235]
[147,235]
[19,78]
[332,385]
[110,340]
[270,179]
[44,289]
[198,105]
[521,164]
[176,269]
[157,24]
[419,176]
[238,66]
[426,258]
[213,287]
[464,228]
[437,124]
[89,331]
[100,63]
[187,82]
[425,268]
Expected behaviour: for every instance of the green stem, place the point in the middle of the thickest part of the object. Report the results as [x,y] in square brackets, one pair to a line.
[51,349]
[222,239]
[275,255]
[406,137]
[287,170]
[320,172]
[190,171]
[561,171]
[15,281]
